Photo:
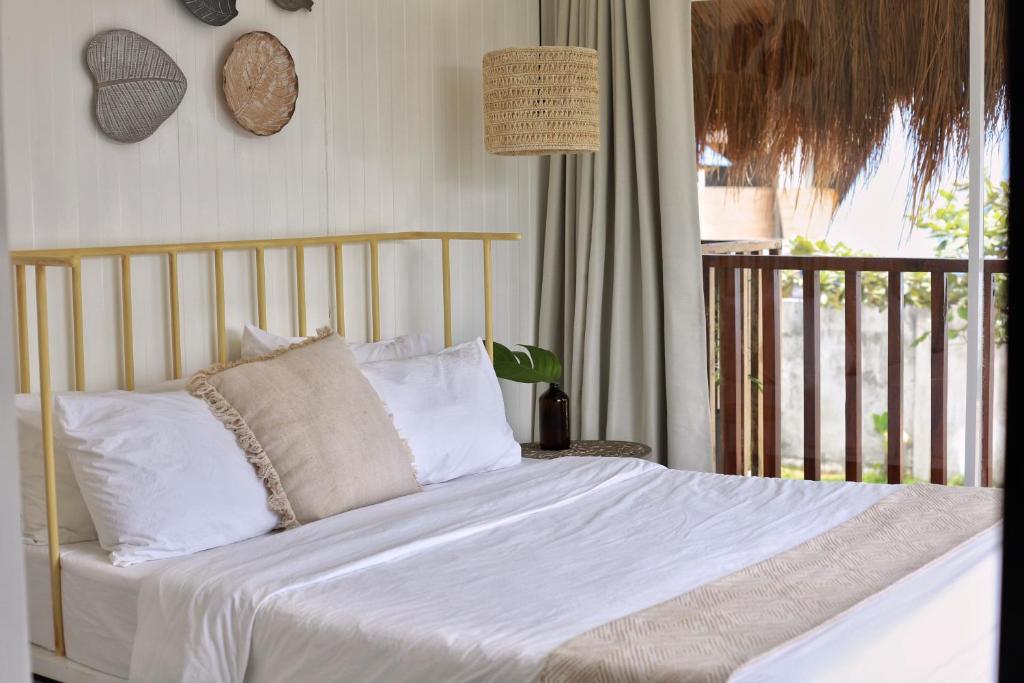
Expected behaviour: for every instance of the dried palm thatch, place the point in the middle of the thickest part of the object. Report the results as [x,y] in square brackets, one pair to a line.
[817,83]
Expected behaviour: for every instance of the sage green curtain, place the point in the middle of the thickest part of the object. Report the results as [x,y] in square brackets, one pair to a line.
[620,296]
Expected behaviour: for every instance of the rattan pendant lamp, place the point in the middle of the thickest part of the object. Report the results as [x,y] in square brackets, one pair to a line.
[541,100]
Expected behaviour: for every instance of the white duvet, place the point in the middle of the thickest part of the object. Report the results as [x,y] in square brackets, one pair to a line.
[473,580]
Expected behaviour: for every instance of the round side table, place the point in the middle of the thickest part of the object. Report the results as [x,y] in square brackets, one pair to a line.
[606,449]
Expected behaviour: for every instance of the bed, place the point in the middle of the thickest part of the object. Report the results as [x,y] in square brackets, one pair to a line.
[546,570]
[462,583]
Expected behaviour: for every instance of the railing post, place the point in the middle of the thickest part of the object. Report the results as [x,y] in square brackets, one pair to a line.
[939,378]
[812,375]
[711,317]
[730,370]
[746,372]
[987,390]
[854,447]
[754,389]
[771,316]
[894,457]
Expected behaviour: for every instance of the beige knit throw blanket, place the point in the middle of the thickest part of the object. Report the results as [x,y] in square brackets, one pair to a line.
[708,633]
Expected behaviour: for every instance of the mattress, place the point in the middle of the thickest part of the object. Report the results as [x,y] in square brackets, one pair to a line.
[483,578]
[939,624]
[99,603]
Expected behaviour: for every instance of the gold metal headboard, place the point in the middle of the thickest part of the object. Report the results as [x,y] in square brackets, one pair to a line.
[41,260]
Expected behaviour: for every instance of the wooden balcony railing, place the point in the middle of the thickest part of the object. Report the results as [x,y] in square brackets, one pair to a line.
[744,312]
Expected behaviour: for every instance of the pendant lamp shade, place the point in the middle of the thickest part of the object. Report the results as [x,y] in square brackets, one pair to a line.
[541,100]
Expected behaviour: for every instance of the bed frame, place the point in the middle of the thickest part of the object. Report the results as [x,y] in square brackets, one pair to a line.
[55,664]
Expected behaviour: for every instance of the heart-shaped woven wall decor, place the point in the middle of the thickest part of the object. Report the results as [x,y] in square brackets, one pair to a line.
[293,5]
[137,85]
[212,12]
[260,84]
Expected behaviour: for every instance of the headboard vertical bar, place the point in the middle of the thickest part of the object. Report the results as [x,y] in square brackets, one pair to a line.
[172,277]
[488,298]
[446,288]
[24,367]
[78,323]
[300,287]
[49,469]
[375,287]
[339,289]
[261,287]
[126,322]
[222,328]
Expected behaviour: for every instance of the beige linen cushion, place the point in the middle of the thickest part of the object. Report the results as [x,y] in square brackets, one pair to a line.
[315,430]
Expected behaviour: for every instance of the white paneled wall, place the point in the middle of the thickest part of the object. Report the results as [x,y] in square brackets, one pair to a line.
[387,136]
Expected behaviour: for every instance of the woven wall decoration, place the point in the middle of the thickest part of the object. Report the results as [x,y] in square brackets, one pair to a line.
[293,5]
[541,100]
[260,83]
[212,12]
[137,85]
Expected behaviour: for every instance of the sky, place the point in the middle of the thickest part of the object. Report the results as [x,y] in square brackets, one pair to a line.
[873,216]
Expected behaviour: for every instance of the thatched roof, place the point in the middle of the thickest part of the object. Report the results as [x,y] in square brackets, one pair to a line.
[819,81]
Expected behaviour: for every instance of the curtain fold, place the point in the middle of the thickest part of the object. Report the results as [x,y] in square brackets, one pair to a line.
[620,297]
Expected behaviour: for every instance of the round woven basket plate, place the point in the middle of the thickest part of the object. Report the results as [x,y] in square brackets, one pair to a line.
[260,84]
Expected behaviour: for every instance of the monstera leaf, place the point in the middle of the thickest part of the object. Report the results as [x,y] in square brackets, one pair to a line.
[137,85]
[212,12]
[293,5]
[530,366]
[260,84]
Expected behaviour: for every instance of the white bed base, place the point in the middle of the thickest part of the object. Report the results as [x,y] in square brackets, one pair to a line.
[64,670]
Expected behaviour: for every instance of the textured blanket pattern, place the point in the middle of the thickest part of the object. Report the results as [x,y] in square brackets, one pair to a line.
[708,633]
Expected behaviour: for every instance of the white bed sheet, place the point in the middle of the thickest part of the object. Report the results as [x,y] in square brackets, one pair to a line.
[99,602]
[474,597]
[479,579]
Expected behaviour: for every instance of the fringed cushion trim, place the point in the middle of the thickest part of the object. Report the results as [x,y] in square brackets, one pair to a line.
[199,385]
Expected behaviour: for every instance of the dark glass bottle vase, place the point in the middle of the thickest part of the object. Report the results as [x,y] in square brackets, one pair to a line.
[554,419]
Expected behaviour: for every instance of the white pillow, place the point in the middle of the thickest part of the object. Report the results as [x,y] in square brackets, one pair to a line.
[75,524]
[160,474]
[257,342]
[449,409]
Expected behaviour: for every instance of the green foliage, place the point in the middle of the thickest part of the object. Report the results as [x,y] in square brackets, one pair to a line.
[946,221]
[529,367]
[873,474]
[880,421]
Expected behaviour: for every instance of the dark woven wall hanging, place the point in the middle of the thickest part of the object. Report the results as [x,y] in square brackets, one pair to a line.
[293,5]
[212,12]
[137,85]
